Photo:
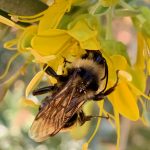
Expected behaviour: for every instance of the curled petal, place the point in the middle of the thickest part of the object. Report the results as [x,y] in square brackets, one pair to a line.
[29,102]
[10,23]
[10,44]
[24,41]
[8,65]
[48,21]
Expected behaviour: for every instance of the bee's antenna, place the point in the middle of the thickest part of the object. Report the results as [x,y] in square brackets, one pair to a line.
[90,117]
[105,117]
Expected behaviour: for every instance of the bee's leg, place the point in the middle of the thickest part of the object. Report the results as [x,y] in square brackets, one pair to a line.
[102,94]
[83,118]
[105,77]
[65,62]
[44,90]
[52,73]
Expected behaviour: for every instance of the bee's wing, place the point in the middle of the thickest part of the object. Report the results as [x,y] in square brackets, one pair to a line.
[51,119]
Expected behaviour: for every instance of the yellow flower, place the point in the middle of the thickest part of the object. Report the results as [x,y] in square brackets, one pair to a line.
[72,42]
[125,101]
[124,98]
[131,86]
[48,42]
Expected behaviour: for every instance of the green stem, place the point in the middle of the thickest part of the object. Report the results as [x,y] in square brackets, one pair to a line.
[125,5]
[94,8]
[5,85]
[109,24]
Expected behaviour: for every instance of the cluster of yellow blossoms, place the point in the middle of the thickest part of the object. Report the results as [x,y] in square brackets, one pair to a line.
[60,32]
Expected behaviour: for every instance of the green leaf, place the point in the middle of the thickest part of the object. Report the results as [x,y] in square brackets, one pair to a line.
[22,7]
[101,10]
[113,47]
[146,28]
[90,19]
[4,30]
[136,22]
[145,12]
[3,89]
[126,12]
[139,79]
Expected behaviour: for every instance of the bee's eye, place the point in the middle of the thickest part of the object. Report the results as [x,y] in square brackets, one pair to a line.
[99,59]
[82,72]
[85,74]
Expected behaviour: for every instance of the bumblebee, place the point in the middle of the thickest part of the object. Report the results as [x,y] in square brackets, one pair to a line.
[85,80]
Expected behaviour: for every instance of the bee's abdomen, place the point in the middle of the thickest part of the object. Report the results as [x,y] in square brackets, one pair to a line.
[71,121]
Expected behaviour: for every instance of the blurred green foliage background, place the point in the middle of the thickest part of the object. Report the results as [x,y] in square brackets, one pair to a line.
[15,119]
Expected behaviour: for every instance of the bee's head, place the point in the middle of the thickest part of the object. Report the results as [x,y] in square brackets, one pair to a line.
[96,56]
[92,70]
[88,80]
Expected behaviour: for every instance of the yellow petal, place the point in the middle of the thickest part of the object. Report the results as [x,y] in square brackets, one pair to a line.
[24,41]
[53,15]
[73,52]
[91,44]
[148,66]
[125,102]
[10,44]
[41,59]
[29,102]
[85,146]
[34,82]
[122,65]
[140,60]
[113,65]
[52,80]
[29,19]
[50,43]
[125,75]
